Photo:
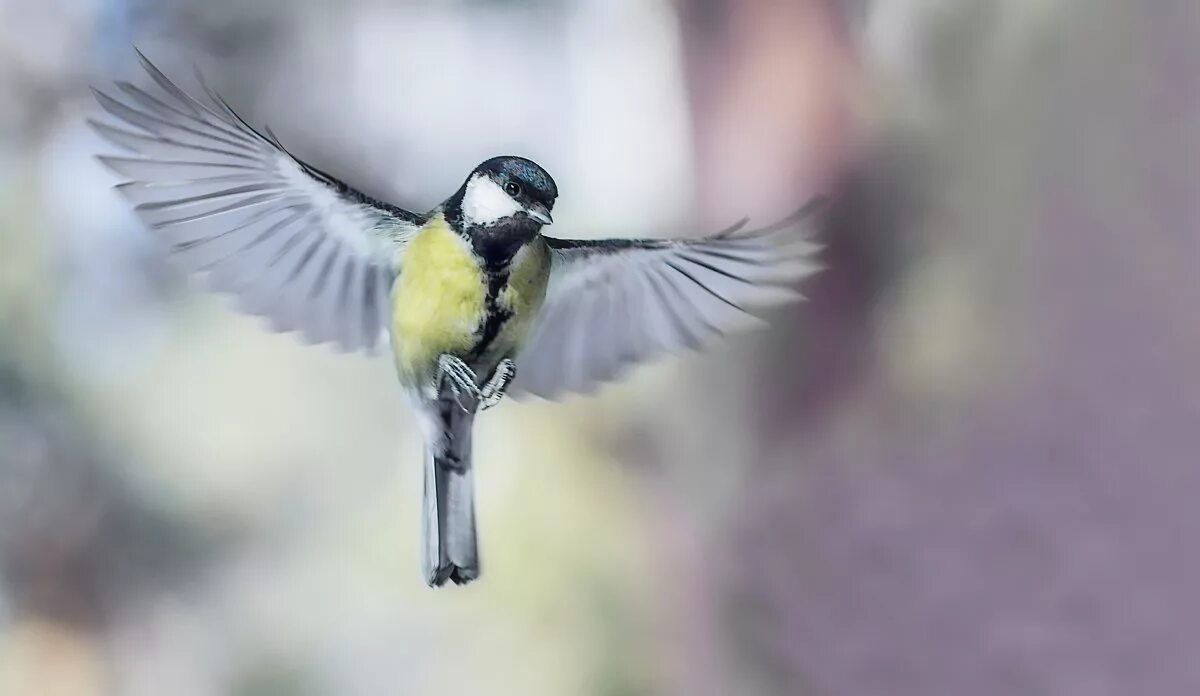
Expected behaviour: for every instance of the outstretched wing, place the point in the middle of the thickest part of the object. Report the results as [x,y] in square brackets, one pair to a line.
[615,302]
[293,243]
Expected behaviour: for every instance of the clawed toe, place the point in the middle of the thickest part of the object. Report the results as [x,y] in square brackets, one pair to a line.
[493,392]
[460,378]
[463,382]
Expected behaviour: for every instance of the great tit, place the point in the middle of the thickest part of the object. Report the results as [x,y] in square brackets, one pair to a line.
[473,299]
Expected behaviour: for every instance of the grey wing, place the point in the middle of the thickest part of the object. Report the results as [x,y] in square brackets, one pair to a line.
[292,243]
[616,302]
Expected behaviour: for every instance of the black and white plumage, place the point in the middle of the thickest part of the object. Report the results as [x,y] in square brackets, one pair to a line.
[468,296]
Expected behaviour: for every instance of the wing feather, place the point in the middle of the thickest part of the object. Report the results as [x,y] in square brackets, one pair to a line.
[293,243]
[612,303]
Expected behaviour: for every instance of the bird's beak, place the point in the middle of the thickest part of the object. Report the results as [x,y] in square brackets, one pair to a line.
[539,212]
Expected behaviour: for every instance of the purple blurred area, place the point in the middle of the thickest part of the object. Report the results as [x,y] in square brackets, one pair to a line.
[967,465]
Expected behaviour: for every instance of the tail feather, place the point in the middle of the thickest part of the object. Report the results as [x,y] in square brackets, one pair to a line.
[450,548]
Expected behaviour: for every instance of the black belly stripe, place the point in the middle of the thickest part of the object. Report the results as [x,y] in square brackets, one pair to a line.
[495,316]
[496,248]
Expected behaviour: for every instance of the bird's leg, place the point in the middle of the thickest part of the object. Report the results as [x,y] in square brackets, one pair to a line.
[460,378]
[493,391]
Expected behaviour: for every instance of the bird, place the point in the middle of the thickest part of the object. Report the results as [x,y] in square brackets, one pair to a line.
[473,299]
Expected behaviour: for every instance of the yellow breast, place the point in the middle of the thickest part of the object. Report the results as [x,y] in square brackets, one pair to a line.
[524,293]
[438,299]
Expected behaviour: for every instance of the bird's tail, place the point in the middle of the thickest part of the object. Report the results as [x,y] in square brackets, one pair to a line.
[450,551]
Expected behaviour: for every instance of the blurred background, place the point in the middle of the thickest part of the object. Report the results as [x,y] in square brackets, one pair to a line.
[969,464]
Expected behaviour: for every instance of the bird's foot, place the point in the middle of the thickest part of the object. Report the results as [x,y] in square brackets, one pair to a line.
[461,379]
[463,382]
[492,392]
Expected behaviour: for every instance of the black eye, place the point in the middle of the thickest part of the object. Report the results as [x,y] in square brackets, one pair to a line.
[512,188]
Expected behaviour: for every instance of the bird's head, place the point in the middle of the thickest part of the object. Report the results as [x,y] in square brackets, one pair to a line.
[508,191]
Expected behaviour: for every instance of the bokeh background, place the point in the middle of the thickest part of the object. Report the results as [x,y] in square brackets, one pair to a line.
[970,464]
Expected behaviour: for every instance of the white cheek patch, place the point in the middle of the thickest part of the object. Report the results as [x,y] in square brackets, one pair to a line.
[485,203]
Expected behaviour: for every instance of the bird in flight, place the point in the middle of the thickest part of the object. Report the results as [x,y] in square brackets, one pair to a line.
[473,299]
